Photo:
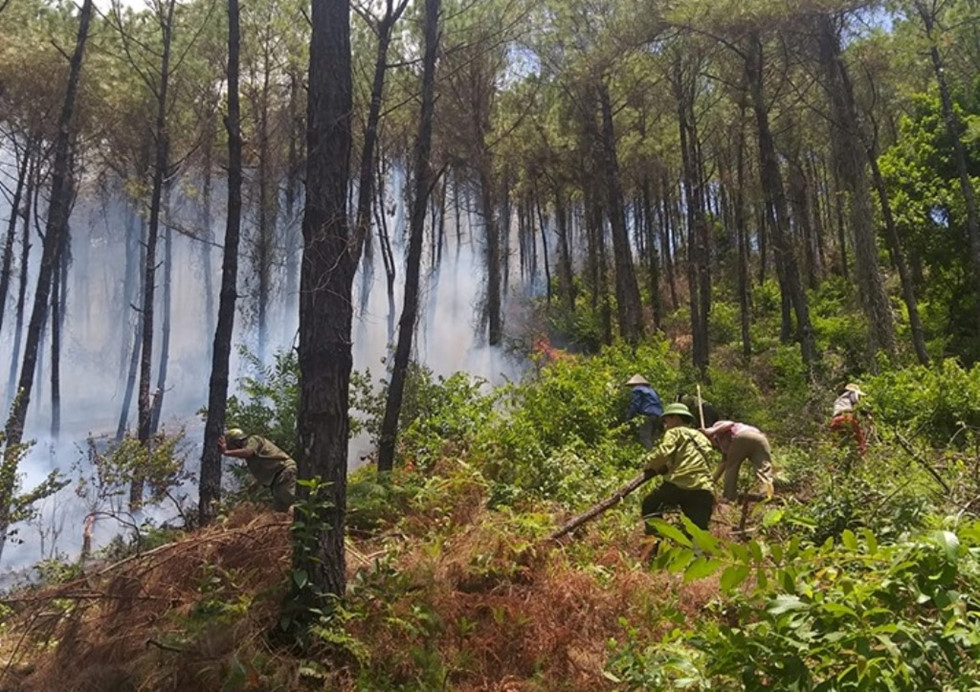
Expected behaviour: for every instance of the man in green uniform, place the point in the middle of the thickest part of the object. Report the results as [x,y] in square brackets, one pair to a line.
[682,456]
[271,466]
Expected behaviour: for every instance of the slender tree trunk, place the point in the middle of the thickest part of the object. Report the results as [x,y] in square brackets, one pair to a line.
[955,128]
[33,188]
[161,158]
[566,280]
[849,154]
[325,311]
[137,345]
[388,259]
[629,313]
[210,485]
[742,233]
[423,180]
[6,263]
[666,233]
[776,202]
[492,230]
[55,230]
[544,247]
[898,255]
[163,364]
[59,299]
[653,257]
[206,231]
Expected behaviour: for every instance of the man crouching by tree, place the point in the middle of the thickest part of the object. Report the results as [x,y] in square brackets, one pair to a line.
[271,466]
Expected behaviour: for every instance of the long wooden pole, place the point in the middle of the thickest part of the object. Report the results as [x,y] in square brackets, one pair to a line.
[599,508]
[700,407]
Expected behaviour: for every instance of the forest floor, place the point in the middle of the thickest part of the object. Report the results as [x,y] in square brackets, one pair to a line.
[194,614]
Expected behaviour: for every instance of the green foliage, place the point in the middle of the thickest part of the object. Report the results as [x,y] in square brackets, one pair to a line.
[560,433]
[108,470]
[937,402]
[269,401]
[15,506]
[440,415]
[855,614]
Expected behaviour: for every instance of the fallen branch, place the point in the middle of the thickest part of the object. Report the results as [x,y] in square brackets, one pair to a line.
[907,446]
[598,509]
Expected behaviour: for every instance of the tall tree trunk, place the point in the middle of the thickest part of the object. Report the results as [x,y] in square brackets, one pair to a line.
[423,180]
[849,154]
[161,158]
[59,299]
[388,259]
[666,234]
[164,362]
[492,229]
[955,130]
[628,309]
[653,257]
[694,205]
[325,310]
[30,201]
[6,263]
[566,278]
[209,490]
[898,256]
[365,183]
[544,246]
[742,233]
[137,344]
[55,230]
[776,202]
[206,231]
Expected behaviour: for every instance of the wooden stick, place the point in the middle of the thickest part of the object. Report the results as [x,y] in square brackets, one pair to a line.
[700,407]
[596,510]
[907,446]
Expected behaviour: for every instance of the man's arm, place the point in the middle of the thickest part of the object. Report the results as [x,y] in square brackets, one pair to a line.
[719,427]
[243,453]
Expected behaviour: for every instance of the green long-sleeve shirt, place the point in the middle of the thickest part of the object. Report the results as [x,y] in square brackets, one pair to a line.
[683,457]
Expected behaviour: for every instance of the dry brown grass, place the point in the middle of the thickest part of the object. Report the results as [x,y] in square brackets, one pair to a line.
[473,601]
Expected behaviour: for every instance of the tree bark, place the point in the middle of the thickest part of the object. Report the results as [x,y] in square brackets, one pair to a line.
[423,182]
[209,491]
[849,154]
[776,203]
[629,314]
[955,128]
[6,263]
[137,345]
[55,230]
[325,309]
[161,160]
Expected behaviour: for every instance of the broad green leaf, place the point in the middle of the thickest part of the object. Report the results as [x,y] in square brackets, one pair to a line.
[733,576]
[849,540]
[701,568]
[784,603]
[672,532]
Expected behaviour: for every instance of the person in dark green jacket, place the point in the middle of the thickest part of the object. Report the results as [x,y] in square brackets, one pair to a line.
[683,458]
[271,466]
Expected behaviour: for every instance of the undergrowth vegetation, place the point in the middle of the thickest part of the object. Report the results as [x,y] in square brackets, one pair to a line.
[861,574]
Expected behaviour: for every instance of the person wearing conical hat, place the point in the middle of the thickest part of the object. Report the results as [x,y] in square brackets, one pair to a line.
[845,423]
[683,457]
[644,401]
[271,466]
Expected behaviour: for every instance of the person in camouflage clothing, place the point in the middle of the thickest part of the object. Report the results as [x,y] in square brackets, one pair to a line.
[682,457]
[271,466]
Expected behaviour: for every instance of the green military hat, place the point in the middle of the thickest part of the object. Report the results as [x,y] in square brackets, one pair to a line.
[677,409]
[235,434]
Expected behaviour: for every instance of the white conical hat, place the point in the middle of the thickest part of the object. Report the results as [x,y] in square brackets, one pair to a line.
[636,379]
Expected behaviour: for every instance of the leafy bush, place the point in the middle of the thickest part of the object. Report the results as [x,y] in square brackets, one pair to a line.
[937,402]
[856,614]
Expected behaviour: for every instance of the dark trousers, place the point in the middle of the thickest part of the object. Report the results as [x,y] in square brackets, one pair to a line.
[696,505]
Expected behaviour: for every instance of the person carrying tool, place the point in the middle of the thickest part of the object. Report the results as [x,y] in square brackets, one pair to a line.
[845,423]
[738,442]
[271,466]
[682,456]
[644,401]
